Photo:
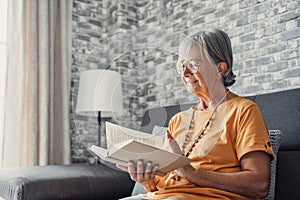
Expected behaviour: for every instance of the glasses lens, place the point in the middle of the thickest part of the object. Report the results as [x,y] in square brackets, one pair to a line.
[193,66]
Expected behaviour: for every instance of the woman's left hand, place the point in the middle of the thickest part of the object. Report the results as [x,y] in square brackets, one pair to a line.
[173,144]
[182,171]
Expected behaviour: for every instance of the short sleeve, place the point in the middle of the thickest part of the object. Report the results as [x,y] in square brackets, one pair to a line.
[252,133]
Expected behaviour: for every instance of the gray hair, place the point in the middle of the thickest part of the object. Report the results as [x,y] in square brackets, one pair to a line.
[218,46]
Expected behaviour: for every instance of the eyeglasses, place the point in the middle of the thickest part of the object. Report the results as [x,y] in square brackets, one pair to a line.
[193,66]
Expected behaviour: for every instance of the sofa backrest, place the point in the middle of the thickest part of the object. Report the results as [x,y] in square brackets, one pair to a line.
[160,116]
[281,111]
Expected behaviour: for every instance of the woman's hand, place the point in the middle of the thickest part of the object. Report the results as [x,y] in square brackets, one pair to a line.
[182,171]
[140,172]
[173,144]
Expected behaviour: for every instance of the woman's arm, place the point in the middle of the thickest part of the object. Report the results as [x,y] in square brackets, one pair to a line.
[252,181]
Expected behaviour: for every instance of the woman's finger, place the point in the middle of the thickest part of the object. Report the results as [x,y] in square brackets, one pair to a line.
[154,170]
[148,171]
[122,167]
[132,170]
[140,170]
[173,144]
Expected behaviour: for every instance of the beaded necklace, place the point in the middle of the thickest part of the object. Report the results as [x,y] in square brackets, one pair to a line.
[202,133]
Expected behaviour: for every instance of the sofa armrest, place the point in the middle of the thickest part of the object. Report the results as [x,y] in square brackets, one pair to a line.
[64,182]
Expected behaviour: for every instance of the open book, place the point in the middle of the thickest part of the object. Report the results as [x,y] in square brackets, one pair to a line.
[137,145]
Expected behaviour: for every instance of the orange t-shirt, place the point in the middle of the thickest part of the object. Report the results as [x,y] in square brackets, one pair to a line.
[237,128]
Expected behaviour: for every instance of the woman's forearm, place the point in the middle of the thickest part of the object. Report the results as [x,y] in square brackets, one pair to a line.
[244,183]
[252,181]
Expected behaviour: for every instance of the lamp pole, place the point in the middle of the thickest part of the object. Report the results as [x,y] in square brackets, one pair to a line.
[99,128]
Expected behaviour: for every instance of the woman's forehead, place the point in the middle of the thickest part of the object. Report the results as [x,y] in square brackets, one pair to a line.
[193,52]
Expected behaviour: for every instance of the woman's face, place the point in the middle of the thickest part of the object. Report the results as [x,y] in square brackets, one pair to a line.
[202,81]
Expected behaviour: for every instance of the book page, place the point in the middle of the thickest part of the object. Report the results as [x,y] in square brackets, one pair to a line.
[101,152]
[134,150]
[116,134]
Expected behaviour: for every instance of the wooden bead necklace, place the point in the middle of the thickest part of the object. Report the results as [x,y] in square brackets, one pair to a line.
[202,133]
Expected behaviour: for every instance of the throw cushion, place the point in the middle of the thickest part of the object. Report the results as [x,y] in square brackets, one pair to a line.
[159,130]
[275,137]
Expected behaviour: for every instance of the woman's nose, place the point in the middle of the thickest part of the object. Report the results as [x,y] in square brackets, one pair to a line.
[186,71]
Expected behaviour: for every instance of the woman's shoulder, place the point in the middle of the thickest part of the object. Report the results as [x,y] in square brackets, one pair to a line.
[243,100]
[241,103]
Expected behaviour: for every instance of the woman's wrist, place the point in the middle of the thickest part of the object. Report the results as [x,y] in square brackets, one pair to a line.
[187,172]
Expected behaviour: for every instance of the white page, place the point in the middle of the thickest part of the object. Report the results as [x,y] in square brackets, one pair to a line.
[116,134]
[102,153]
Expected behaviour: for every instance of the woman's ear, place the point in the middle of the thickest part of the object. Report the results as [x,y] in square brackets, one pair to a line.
[222,67]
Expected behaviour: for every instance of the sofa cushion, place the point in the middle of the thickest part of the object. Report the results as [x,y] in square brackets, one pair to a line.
[288,175]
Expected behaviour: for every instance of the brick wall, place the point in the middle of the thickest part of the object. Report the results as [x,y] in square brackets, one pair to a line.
[139,39]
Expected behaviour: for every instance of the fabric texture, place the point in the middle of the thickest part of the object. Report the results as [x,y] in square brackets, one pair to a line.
[237,123]
[36,129]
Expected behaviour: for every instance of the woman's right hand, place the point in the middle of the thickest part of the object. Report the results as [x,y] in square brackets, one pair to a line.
[139,172]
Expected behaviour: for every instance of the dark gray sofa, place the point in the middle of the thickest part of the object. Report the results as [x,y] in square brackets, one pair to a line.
[281,111]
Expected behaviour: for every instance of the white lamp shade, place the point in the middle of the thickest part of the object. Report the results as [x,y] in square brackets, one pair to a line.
[99,90]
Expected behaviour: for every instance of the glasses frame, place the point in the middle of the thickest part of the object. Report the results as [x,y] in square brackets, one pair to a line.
[192,65]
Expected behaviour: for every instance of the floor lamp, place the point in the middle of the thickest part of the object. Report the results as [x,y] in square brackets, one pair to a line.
[99,95]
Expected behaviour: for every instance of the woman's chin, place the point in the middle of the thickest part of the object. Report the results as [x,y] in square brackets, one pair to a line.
[192,88]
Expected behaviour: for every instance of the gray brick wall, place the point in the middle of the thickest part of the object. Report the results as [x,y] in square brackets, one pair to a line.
[139,39]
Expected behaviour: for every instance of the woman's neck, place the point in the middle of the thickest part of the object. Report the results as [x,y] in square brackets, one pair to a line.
[212,102]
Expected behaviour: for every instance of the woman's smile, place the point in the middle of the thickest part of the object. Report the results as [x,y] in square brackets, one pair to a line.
[191,81]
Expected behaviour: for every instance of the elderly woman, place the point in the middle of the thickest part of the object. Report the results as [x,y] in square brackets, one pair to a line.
[224,134]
